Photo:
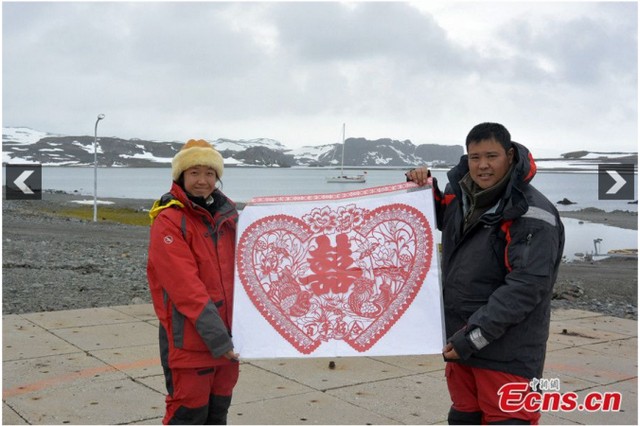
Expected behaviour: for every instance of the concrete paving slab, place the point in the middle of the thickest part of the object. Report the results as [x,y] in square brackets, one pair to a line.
[310,408]
[10,417]
[77,318]
[569,383]
[592,366]
[135,361]
[315,372]
[575,333]
[407,400]
[438,375]
[628,415]
[157,383]
[110,335]
[142,312]
[29,375]
[553,345]
[57,367]
[24,339]
[89,402]
[627,386]
[154,421]
[605,323]
[569,314]
[257,384]
[553,419]
[415,363]
[624,348]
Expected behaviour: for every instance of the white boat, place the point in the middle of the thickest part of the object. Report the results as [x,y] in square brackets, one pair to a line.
[347,179]
[342,178]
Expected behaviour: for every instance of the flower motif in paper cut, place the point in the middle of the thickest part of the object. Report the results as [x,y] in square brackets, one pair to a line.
[350,218]
[322,221]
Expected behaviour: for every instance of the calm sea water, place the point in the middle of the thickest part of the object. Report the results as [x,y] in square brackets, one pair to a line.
[241,184]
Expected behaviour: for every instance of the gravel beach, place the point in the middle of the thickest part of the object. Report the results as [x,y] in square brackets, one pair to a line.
[52,263]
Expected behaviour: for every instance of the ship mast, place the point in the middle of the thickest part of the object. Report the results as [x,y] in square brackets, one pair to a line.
[342,164]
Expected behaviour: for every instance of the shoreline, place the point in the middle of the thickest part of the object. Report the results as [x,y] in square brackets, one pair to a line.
[619,218]
[626,219]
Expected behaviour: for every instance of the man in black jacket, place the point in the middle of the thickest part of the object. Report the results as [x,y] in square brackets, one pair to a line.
[502,243]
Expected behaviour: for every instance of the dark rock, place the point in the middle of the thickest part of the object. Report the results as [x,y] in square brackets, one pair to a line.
[565,201]
[570,291]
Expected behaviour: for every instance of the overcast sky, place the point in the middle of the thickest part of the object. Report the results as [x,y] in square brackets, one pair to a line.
[560,76]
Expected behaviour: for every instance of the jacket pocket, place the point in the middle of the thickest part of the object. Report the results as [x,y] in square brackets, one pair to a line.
[536,252]
[185,336]
[177,326]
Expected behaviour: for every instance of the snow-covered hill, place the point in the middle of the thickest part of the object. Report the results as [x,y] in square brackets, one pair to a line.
[25,145]
[22,135]
[241,145]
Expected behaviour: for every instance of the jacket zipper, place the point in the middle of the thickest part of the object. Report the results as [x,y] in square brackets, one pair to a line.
[525,255]
[211,229]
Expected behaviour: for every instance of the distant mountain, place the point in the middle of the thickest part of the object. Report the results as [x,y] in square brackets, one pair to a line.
[21,144]
[620,157]
[24,145]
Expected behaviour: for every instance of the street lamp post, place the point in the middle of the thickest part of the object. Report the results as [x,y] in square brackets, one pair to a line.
[95,169]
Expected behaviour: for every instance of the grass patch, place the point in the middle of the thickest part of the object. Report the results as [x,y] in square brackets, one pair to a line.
[107,213]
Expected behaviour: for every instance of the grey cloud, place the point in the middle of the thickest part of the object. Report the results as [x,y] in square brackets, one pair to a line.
[196,40]
[326,32]
[585,51]
[168,65]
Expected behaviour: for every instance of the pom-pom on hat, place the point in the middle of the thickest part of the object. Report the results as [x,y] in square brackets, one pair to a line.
[196,153]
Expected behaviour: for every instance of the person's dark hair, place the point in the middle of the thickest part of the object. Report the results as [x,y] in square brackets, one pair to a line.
[495,131]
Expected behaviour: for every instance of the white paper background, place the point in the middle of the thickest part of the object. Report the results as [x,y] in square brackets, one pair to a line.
[418,331]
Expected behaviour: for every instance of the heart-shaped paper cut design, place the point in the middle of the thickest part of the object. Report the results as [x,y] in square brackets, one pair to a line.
[346,274]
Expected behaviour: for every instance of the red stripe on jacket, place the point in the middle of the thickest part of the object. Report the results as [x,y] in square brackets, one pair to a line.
[506,229]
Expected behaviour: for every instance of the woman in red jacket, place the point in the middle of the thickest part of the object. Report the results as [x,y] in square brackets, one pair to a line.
[190,273]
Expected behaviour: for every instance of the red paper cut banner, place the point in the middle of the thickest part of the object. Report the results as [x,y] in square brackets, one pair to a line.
[334,278]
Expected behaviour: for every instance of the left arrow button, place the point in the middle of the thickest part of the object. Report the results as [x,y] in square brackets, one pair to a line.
[20,182]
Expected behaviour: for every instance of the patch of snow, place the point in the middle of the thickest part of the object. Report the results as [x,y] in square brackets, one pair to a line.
[90,202]
[231,161]
[15,160]
[23,135]
[241,145]
[605,155]
[148,156]
[565,164]
[88,148]
[379,161]
[63,163]
[311,151]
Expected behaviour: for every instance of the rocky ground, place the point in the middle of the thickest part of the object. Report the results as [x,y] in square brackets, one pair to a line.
[52,263]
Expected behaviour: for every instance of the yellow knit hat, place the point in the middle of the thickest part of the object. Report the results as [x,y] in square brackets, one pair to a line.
[196,153]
